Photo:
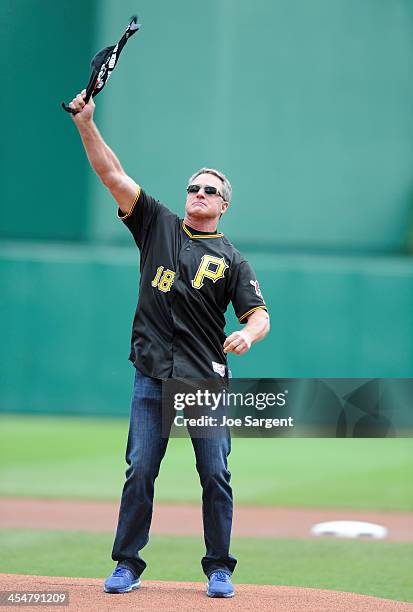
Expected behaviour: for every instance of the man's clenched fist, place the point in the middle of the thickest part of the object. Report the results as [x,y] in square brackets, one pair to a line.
[84,111]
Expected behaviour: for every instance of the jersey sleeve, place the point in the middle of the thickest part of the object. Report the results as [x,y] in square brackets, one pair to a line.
[141,216]
[245,292]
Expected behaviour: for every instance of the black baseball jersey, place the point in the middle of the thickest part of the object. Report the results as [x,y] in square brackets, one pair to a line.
[187,279]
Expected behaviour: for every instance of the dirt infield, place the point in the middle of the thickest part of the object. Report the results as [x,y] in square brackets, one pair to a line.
[174,519]
[86,594]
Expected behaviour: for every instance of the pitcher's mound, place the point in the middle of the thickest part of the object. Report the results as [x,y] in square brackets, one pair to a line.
[86,594]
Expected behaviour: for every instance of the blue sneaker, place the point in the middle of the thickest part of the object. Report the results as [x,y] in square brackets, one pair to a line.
[220,585]
[122,580]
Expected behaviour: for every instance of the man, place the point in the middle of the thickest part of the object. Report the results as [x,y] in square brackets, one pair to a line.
[189,273]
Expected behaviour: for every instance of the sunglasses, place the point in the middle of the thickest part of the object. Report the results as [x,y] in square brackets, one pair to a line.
[208,190]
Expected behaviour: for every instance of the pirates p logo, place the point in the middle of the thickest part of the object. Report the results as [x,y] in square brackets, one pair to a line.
[210,267]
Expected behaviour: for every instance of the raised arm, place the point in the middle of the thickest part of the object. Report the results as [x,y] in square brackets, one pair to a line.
[101,157]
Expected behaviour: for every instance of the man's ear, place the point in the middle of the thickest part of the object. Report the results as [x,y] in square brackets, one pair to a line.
[224,207]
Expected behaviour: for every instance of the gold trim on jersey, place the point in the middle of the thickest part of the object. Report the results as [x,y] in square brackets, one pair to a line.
[128,214]
[186,230]
[247,314]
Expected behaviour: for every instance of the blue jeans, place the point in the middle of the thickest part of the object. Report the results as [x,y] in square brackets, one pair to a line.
[145,450]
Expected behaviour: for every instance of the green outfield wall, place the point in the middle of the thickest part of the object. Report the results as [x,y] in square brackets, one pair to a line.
[306,105]
[43,175]
[66,319]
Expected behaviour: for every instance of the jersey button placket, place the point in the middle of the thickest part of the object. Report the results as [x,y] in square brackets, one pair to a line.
[183,248]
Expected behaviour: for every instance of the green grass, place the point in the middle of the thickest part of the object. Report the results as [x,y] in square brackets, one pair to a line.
[382,569]
[73,457]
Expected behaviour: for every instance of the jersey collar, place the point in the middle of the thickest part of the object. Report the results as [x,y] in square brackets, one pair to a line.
[186,230]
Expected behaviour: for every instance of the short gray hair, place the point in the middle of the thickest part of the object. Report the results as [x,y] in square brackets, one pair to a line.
[226,190]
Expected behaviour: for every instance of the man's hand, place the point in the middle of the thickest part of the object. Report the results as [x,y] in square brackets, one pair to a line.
[258,326]
[238,342]
[84,111]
